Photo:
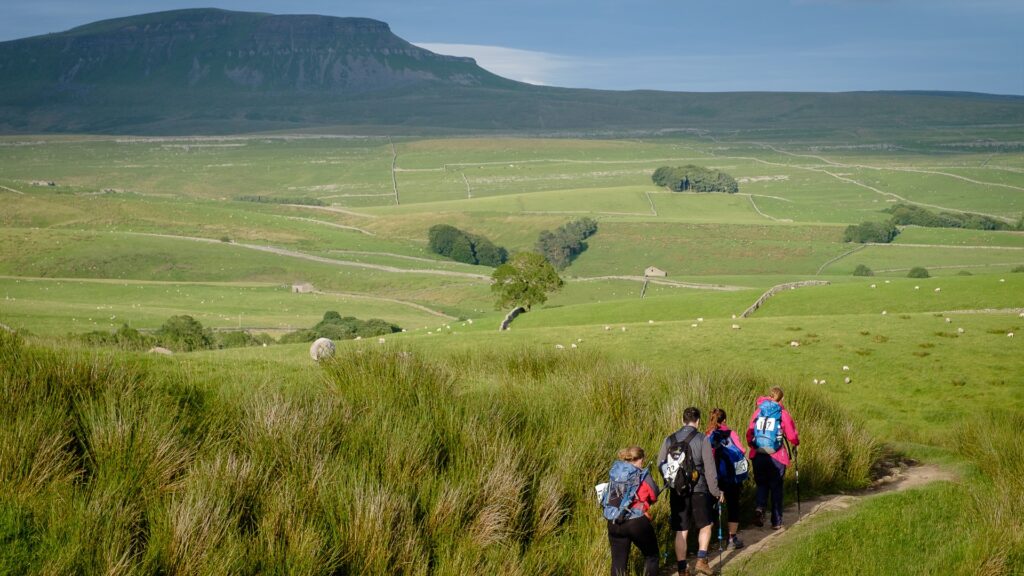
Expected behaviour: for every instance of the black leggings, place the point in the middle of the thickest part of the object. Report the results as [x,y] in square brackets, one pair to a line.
[636,531]
[732,500]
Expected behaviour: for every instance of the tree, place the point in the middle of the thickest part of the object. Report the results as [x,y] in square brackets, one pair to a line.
[918,272]
[525,280]
[184,333]
[863,270]
[877,232]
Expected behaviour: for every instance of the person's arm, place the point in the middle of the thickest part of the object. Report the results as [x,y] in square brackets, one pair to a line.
[750,431]
[710,469]
[652,488]
[663,452]
[789,428]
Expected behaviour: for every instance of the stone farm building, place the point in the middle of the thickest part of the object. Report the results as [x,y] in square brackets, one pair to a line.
[302,288]
[653,271]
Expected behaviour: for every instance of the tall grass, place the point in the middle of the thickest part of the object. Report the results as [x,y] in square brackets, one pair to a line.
[389,463]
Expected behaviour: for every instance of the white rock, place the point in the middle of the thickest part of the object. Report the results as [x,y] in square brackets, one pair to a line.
[321,349]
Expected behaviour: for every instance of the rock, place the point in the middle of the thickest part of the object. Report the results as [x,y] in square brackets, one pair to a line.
[322,349]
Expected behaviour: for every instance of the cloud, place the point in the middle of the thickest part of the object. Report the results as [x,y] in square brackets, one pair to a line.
[541,68]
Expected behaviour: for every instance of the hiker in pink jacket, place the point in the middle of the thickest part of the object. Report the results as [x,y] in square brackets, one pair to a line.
[769,425]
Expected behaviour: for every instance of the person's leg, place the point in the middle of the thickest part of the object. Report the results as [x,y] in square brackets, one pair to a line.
[680,545]
[780,473]
[732,506]
[679,522]
[703,514]
[619,544]
[764,472]
[641,532]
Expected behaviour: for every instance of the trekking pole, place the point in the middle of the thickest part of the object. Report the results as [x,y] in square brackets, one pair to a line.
[796,469]
[721,543]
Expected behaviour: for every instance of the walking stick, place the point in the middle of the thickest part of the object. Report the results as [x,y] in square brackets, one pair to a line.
[796,469]
[721,543]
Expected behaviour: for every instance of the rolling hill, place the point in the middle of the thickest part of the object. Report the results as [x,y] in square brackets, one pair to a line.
[216,71]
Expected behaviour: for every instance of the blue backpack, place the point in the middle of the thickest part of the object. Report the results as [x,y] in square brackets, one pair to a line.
[623,482]
[732,462]
[768,427]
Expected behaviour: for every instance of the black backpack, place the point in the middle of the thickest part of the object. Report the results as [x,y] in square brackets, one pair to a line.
[680,469]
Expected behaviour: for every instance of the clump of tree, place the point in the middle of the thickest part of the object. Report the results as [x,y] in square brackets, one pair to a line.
[525,280]
[300,200]
[910,215]
[694,178]
[863,270]
[241,339]
[1018,268]
[338,327]
[561,246]
[865,232]
[918,272]
[184,333]
[125,338]
[465,247]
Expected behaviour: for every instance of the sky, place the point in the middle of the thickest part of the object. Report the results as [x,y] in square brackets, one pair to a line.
[680,45]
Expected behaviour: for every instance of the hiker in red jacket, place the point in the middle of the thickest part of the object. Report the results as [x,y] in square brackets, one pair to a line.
[769,425]
[637,529]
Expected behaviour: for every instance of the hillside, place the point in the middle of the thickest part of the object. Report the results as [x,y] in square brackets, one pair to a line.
[216,71]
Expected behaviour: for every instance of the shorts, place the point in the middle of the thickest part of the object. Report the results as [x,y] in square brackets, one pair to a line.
[698,506]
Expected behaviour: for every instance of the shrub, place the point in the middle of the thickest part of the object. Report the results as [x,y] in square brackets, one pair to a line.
[964,273]
[125,338]
[906,214]
[336,327]
[1018,268]
[241,338]
[918,272]
[863,270]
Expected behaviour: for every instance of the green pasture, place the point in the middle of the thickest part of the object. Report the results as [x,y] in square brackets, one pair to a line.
[57,307]
[897,259]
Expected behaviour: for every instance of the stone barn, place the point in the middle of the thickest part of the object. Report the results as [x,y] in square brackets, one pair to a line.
[302,288]
[654,272]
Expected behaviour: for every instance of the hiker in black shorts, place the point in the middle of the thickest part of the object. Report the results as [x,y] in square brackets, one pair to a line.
[694,508]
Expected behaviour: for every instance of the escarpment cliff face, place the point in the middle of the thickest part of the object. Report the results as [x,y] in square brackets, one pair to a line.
[207,52]
[209,71]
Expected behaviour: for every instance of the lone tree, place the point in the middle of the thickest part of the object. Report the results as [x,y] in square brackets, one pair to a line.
[523,281]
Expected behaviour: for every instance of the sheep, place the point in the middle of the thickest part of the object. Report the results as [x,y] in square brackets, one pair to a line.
[1009,334]
[579,340]
[470,321]
[574,346]
[559,347]
[873,286]
[623,328]
[650,321]
[733,316]
[959,330]
[794,344]
[693,325]
[846,368]
[847,380]
[938,289]
[948,320]
[917,287]
[822,382]
[735,326]
[700,319]
[886,281]
[815,380]
[1021,315]
[1002,279]
[884,312]
[381,340]
[607,327]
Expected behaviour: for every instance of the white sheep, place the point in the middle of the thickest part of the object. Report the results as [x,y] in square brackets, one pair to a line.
[700,319]
[886,281]
[872,286]
[559,347]
[470,320]
[948,320]
[693,325]
[381,340]
[815,380]
[607,327]
[650,321]
[574,346]
[1002,279]
[846,368]
[1009,334]
[1021,314]
[917,287]
[794,344]
[623,328]
[733,316]
[822,382]
[938,289]
[884,312]
[959,330]
[735,326]
[847,380]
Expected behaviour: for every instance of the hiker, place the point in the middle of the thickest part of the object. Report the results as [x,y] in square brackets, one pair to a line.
[687,464]
[627,513]
[732,469]
[770,425]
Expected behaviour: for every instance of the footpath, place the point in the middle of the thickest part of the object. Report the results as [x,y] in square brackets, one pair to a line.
[762,540]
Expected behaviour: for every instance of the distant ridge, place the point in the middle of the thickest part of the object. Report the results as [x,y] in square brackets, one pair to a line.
[217,71]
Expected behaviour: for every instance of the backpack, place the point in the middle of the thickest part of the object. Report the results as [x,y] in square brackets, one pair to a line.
[680,469]
[768,427]
[730,460]
[623,483]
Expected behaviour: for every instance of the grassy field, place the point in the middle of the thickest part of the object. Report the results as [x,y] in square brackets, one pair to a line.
[137,230]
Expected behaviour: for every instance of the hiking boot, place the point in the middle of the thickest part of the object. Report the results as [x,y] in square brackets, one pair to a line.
[736,543]
[702,567]
[759,518]
[684,572]
[777,527]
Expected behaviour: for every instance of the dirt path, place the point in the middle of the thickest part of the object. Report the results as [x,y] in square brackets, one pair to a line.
[759,540]
[331,224]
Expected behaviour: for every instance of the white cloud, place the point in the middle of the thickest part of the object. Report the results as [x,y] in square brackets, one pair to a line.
[541,68]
